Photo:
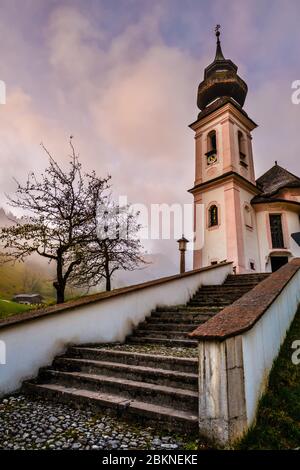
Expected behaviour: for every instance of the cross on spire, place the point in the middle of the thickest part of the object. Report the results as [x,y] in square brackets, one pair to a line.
[219,53]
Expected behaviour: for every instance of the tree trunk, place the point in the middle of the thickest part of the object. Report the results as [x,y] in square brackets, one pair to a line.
[106,269]
[107,276]
[108,283]
[60,293]
[59,284]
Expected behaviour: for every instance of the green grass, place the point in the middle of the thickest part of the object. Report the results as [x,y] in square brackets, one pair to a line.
[278,419]
[8,308]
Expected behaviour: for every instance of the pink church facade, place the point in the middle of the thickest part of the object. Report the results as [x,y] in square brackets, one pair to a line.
[252,222]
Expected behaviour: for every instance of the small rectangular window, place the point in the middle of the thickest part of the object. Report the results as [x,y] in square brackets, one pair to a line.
[276,231]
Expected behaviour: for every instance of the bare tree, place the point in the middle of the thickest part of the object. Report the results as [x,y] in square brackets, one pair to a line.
[114,246]
[60,209]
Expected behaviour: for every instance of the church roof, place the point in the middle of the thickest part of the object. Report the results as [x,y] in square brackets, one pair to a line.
[275,179]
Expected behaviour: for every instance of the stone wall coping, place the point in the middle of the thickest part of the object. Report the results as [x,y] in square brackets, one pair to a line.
[242,315]
[89,299]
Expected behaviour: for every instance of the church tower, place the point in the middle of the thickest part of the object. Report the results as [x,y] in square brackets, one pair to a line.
[224,172]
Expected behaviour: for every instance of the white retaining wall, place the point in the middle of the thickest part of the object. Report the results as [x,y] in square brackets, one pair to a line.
[237,349]
[34,343]
[261,344]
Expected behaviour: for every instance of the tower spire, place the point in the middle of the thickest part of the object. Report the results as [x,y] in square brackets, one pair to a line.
[219,53]
[221,80]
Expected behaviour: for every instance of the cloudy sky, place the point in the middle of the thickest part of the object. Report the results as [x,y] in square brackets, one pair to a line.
[122,76]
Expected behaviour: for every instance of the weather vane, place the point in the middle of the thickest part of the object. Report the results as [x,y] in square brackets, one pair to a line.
[217,29]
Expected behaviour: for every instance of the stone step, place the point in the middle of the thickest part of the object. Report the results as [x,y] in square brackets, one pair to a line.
[213,301]
[192,311]
[153,375]
[225,290]
[184,309]
[179,343]
[179,398]
[248,275]
[221,288]
[175,319]
[222,293]
[163,417]
[155,324]
[208,303]
[215,297]
[253,276]
[244,283]
[244,279]
[163,334]
[179,364]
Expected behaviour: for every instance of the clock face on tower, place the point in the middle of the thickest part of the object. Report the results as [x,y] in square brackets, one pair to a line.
[211,159]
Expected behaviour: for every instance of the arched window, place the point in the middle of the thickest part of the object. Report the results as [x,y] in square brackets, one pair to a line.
[211,153]
[213,216]
[242,149]
[212,141]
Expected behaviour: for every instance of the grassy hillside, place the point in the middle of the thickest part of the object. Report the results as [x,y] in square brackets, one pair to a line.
[278,421]
[8,308]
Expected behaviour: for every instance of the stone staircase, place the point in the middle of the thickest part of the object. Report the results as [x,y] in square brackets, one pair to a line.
[154,375]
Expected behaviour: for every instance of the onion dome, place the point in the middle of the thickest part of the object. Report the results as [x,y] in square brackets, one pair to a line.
[221,80]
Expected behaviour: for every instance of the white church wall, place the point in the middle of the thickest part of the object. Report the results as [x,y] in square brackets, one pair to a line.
[264,237]
[293,225]
[263,240]
[251,248]
[214,237]
[34,342]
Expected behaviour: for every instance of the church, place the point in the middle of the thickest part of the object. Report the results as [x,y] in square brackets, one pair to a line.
[252,222]
[191,352]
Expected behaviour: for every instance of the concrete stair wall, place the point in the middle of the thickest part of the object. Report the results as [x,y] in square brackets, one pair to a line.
[153,386]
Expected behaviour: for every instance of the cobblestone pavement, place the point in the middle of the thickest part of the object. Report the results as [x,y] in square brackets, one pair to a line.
[153,349]
[34,424]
